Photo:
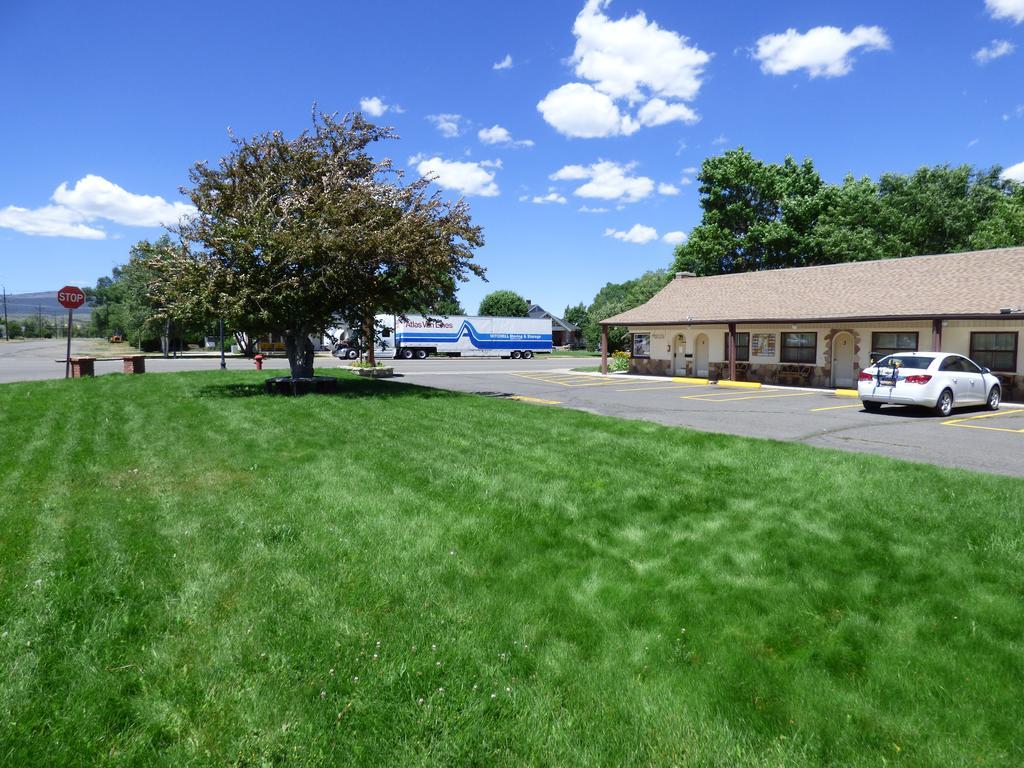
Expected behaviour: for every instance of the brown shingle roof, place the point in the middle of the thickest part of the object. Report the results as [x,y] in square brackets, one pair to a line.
[976,283]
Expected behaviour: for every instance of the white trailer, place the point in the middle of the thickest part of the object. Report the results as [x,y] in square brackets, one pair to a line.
[416,337]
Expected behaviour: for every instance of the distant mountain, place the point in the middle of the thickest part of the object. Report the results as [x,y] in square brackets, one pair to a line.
[21,305]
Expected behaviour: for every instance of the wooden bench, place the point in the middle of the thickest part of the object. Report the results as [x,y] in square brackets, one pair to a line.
[793,374]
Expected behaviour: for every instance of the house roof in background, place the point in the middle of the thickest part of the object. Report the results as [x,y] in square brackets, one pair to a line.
[975,283]
[537,311]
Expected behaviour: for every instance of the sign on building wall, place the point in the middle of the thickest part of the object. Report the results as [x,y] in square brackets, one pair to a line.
[762,344]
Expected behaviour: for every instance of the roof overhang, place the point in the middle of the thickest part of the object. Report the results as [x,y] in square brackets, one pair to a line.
[822,320]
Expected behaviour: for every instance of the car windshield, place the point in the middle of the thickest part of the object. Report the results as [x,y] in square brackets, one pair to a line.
[899,361]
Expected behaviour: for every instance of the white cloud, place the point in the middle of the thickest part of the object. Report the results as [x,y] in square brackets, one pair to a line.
[972,142]
[691,170]
[674,238]
[1014,173]
[996,50]
[581,111]
[629,59]
[1006,9]
[447,124]
[632,56]
[719,140]
[467,178]
[588,209]
[659,112]
[90,199]
[48,221]
[496,134]
[375,107]
[97,198]
[822,51]
[638,234]
[668,189]
[686,181]
[505,63]
[607,180]
[551,197]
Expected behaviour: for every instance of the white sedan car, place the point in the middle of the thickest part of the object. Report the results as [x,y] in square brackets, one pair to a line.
[936,380]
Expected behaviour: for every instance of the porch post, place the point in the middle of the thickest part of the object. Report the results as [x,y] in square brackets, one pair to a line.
[732,351]
[604,349]
[936,335]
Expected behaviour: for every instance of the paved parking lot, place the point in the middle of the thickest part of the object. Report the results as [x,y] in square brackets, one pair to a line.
[971,438]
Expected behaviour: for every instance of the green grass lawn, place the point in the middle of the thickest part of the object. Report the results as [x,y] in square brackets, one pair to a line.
[194,574]
[574,353]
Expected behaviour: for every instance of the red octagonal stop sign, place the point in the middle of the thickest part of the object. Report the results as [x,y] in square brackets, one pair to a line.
[71,297]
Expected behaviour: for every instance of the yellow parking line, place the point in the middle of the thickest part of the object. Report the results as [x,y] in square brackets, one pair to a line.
[960,422]
[739,384]
[662,386]
[711,398]
[525,399]
[837,407]
[689,380]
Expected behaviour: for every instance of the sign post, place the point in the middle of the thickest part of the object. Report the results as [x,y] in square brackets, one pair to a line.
[71,298]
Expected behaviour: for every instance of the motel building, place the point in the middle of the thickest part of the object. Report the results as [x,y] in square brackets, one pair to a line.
[820,326]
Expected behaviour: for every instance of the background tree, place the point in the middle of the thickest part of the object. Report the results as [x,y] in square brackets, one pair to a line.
[503,304]
[125,303]
[618,297]
[759,215]
[291,234]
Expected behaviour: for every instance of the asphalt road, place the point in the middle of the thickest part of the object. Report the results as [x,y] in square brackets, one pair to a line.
[971,438]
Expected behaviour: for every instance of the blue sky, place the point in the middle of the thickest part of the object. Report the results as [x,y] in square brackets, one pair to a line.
[600,114]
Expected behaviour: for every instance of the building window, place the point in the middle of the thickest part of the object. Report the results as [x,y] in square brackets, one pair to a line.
[742,347]
[883,344]
[997,351]
[799,348]
[641,345]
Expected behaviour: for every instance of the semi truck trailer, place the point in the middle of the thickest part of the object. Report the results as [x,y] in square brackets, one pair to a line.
[414,337]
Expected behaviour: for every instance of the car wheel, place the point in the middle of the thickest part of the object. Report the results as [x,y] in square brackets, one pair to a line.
[407,354]
[870,405]
[944,406]
[527,354]
[994,396]
[353,354]
[421,354]
[516,354]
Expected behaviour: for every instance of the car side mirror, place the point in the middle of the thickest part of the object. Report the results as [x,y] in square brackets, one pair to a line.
[985,370]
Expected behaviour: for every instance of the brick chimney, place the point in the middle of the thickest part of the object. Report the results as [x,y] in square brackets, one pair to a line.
[683,275]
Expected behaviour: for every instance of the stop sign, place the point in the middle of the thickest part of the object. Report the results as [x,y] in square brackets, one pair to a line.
[70,297]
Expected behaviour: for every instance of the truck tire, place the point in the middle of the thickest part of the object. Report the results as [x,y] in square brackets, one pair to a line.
[406,354]
[527,354]
[516,354]
[352,354]
[421,354]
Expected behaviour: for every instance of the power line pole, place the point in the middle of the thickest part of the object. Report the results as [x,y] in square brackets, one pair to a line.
[7,332]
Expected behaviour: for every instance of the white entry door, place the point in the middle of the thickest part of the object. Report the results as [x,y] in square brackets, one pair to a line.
[679,356]
[842,360]
[701,355]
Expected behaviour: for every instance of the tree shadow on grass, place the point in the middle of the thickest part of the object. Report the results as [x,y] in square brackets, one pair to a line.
[347,388]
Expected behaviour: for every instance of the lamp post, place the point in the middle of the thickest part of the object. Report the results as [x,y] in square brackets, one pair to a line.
[223,365]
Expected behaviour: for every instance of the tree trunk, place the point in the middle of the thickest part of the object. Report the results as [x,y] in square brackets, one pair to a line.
[246,343]
[368,331]
[300,353]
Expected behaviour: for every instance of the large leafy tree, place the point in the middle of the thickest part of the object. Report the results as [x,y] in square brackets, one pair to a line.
[292,234]
[504,304]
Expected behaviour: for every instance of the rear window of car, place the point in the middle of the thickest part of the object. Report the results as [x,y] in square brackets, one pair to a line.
[905,362]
